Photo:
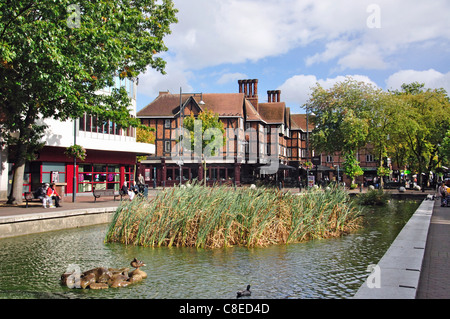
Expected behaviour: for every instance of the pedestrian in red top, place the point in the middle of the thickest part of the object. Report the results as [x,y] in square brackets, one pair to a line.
[52,194]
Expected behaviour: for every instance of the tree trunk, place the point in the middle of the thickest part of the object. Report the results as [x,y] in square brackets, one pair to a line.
[15,198]
[20,154]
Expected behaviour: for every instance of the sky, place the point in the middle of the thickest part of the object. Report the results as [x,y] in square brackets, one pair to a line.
[291,45]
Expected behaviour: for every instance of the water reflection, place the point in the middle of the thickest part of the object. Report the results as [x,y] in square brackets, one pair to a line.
[335,268]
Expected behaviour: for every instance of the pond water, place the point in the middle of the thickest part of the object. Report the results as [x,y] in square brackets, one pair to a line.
[332,268]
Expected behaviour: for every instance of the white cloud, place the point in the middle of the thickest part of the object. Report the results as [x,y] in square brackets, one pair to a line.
[296,90]
[151,82]
[433,79]
[363,57]
[231,77]
[213,33]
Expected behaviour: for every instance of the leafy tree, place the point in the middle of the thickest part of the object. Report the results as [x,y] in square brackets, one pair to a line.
[341,116]
[207,134]
[425,121]
[351,167]
[445,149]
[342,120]
[209,122]
[145,134]
[55,56]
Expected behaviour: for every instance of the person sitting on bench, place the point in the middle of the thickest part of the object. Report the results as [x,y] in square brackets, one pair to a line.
[128,191]
[52,194]
[41,194]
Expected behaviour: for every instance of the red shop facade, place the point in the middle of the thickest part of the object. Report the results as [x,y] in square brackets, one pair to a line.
[99,170]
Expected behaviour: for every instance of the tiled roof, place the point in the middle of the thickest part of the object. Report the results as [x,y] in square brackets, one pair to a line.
[298,122]
[224,104]
[272,112]
[165,104]
[252,114]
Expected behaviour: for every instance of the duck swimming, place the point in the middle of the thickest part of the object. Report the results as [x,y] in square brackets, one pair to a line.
[137,274]
[103,278]
[243,293]
[136,263]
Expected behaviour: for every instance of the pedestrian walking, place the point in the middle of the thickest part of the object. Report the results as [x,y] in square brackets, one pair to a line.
[443,194]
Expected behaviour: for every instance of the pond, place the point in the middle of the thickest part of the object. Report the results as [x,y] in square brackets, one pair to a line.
[330,268]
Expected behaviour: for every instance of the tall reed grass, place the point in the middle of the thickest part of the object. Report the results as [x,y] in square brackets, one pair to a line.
[214,217]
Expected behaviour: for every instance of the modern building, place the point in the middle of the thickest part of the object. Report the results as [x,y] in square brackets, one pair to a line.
[111,154]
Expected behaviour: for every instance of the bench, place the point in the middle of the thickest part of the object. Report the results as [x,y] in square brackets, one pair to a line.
[29,197]
[106,192]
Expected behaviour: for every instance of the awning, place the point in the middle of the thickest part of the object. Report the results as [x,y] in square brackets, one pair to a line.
[280,166]
[321,168]
[283,166]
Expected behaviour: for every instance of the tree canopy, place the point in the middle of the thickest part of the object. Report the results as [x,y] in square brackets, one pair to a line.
[55,56]
[406,125]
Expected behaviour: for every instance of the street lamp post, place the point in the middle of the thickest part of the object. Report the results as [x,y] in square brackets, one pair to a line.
[307,148]
[337,174]
[74,185]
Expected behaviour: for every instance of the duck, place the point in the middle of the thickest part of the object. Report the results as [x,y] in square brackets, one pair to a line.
[137,264]
[243,293]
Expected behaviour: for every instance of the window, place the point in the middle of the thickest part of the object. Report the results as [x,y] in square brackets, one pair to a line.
[91,123]
[167,123]
[167,146]
[100,177]
[369,158]
[329,159]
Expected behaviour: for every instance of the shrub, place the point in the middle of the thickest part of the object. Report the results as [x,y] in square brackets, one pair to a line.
[373,197]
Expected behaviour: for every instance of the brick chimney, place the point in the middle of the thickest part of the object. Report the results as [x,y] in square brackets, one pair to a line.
[250,90]
[273,96]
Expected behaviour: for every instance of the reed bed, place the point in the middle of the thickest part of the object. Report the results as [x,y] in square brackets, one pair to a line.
[221,216]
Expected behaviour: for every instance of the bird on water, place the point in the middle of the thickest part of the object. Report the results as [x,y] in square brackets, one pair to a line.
[243,293]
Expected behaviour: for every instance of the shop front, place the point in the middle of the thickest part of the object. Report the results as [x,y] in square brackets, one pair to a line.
[100,170]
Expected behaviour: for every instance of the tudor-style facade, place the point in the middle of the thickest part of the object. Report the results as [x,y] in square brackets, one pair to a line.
[259,137]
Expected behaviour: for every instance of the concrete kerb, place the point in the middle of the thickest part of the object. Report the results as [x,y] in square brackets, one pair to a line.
[399,269]
[19,225]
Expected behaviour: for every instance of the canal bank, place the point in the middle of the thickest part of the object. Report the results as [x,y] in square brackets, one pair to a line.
[89,212]
[397,274]
[32,223]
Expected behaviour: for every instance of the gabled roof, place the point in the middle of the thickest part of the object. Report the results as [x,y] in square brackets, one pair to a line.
[298,122]
[272,112]
[165,104]
[224,104]
[251,113]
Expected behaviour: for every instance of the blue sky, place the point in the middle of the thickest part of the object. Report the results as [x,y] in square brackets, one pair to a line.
[293,44]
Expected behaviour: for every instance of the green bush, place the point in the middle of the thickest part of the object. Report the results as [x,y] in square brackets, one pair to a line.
[376,197]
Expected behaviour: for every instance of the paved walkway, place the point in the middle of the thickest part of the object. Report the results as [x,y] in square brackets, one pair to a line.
[434,280]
